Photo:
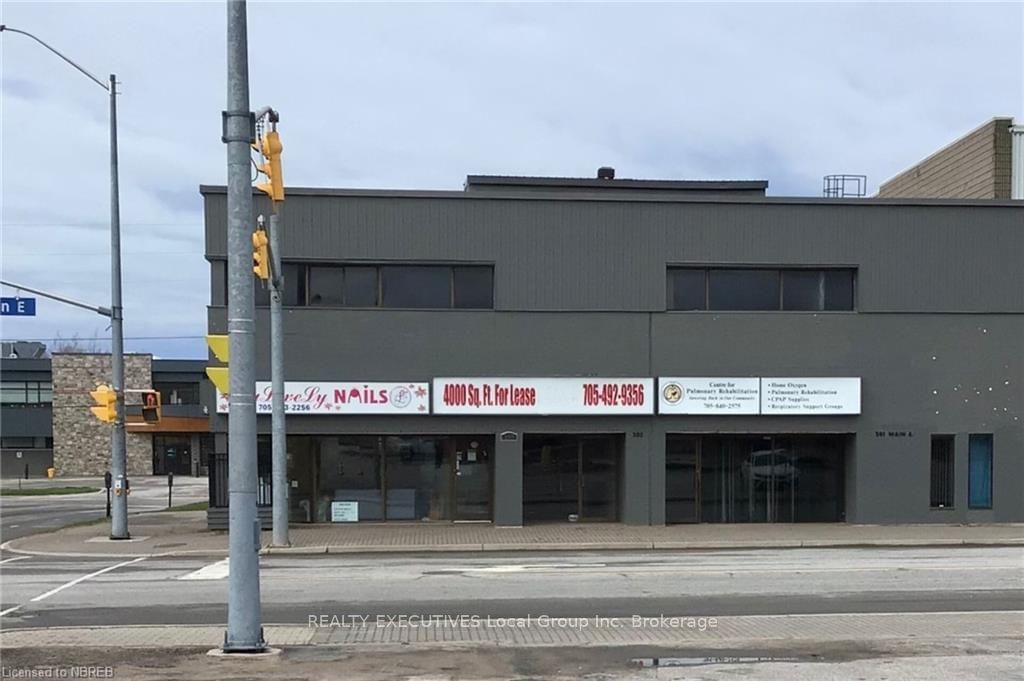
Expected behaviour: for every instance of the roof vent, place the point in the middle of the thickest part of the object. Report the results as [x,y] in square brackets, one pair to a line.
[606,173]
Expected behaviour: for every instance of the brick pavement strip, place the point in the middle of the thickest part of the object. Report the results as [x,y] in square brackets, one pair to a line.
[187,535]
[578,632]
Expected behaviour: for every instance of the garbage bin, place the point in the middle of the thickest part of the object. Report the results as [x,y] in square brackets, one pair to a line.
[51,472]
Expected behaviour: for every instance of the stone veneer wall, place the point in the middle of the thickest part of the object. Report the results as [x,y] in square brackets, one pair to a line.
[81,443]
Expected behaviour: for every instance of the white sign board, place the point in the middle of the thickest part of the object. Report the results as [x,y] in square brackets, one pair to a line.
[709,396]
[344,511]
[573,396]
[810,396]
[349,397]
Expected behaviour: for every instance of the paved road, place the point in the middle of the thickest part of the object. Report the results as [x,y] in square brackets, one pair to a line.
[40,591]
[22,516]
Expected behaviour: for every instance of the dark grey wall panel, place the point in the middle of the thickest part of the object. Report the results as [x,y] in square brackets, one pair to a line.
[27,421]
[37,460]
[405,345]
[508,481]
[611,255]
[634,490]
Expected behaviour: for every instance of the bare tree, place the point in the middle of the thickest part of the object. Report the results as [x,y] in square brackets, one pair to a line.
[76,344]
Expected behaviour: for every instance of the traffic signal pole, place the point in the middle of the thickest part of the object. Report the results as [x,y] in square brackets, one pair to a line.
[279,471]
[244,631]
[269,270]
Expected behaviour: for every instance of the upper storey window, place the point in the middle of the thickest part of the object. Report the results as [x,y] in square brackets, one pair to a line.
[753,289]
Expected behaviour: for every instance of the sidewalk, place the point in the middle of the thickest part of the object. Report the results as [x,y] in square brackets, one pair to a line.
[185,533]
[561,632]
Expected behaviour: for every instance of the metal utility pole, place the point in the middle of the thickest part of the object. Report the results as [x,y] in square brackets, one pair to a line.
[118,451]
[245,631]
[279,436]
[119,448]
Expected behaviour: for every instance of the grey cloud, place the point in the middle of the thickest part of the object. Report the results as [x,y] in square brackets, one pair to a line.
[21,88]
[419,95]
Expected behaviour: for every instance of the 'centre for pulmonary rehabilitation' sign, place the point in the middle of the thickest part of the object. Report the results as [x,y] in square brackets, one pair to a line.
[562,396]
[348,397]
[709,395]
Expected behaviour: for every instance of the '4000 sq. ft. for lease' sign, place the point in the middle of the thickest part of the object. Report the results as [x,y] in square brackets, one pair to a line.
[543,396]
[341,398]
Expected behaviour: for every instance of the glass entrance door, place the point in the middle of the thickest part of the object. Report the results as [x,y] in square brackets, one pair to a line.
[681,480]
[172,454]
[471,469]
[771,476]
[550,478]
[571,477]
[599,478]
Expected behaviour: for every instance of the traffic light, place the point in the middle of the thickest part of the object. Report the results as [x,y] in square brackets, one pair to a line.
[151,406]
[219,375]
[106,403]
[270,148]
[260,255]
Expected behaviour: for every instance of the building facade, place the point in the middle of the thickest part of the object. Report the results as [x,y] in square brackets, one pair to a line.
[986,163]
[542,349]
[46,421]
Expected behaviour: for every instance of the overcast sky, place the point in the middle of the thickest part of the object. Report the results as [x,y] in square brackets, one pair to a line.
[419,96]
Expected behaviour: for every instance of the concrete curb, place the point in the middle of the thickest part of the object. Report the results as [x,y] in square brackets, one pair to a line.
[17,546]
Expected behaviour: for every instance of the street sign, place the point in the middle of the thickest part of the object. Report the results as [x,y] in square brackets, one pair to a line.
[18,307]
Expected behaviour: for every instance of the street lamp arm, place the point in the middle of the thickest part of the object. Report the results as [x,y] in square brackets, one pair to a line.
[91,77]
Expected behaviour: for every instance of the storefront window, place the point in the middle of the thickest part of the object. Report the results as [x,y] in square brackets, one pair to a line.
[349,471]
[750,479]
[389,477]
[418,478]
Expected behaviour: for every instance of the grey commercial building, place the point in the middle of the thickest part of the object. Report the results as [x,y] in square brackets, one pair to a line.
[647,352]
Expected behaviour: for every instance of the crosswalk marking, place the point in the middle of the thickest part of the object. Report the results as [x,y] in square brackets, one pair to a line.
[218,570]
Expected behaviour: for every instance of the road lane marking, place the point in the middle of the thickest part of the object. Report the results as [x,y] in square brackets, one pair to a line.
[81,579]
[218,570]
[11,560]
[9,610]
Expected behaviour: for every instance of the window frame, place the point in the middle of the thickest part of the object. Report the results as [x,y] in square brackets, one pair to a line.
[780,271]
[949,472]
[31,392]
[305,266]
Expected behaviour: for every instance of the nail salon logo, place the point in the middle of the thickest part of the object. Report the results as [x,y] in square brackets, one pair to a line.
[401,397]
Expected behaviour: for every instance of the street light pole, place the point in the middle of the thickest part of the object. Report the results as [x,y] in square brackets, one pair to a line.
[118,445]
[118,450]
[245,630]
